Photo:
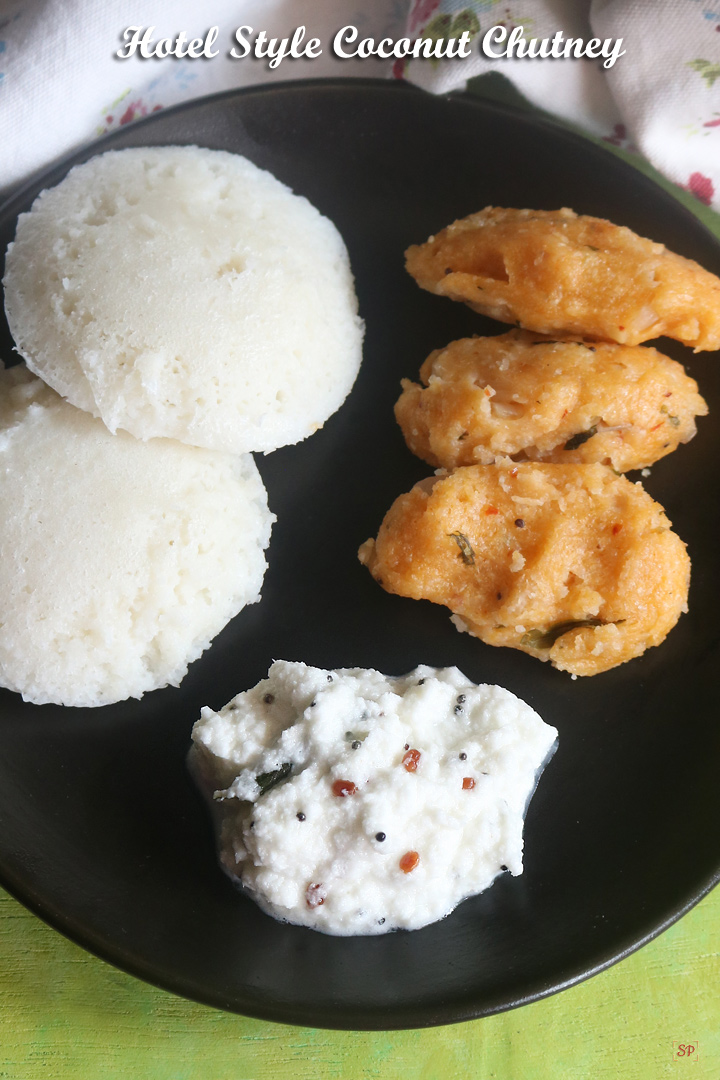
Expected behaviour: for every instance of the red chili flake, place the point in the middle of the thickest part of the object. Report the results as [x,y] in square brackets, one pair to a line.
[409,861]
[468,783]
[411,759]
[668,393]
[491,510]
[616,528]
[657,426]
[513,472]
[621,327]
[315,895]
[341,788]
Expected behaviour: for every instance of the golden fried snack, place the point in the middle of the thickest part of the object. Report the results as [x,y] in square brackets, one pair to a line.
[524,394]
[569,563]
[562,274]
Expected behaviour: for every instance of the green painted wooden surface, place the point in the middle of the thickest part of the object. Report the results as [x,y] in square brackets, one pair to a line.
[65,1015]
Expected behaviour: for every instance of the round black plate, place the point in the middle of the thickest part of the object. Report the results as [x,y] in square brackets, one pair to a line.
[101,830]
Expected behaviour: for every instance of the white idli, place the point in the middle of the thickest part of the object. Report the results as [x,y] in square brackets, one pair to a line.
[184,293]
[119,560]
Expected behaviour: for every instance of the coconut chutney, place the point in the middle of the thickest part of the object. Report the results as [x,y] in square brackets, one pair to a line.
[357,803]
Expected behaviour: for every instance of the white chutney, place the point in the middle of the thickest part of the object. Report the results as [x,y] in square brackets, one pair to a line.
[357,803]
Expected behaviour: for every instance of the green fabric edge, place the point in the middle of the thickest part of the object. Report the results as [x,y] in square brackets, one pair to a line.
[496,87]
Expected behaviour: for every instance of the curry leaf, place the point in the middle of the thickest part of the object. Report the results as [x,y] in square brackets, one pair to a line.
[267,780]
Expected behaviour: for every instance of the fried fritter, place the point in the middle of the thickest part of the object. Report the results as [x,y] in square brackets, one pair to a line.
[523,394]
[563,274]
[569,563]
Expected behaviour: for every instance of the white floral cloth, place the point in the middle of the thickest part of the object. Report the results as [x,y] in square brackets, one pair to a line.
[61,83]
[662,97]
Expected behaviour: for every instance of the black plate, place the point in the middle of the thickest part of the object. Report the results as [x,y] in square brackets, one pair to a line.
[101,830]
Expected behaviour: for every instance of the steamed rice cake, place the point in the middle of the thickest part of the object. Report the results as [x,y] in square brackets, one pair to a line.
[185,293]
[120,560]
